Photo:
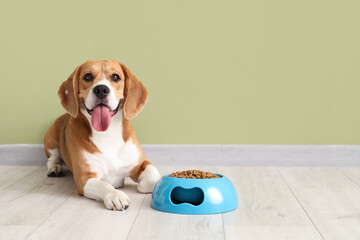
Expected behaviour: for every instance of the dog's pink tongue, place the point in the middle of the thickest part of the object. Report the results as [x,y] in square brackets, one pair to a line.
[101,118]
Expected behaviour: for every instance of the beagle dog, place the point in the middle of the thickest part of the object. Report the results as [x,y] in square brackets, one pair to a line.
[95,138]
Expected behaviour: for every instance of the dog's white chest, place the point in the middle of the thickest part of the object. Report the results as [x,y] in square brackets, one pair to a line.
[117,158]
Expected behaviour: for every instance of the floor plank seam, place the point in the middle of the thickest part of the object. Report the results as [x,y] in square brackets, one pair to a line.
[137,214]
[37,185]
[29,190]
[36,169]
[347,176]
[50,215]
[223,223]
[317,229]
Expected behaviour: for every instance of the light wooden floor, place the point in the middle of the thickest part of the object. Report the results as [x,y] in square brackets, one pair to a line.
[274,203]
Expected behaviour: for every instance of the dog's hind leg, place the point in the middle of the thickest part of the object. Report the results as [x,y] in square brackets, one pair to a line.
[54,164]
[52,152]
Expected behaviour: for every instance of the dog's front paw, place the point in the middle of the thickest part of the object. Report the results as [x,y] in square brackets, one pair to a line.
[116,200]
[148,178]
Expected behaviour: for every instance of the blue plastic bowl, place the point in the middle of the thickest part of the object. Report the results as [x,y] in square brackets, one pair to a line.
[194,196]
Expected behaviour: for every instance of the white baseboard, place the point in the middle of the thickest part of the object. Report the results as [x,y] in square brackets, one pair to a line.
[244,155]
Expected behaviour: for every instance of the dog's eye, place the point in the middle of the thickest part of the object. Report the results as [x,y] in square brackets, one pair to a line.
[115,77]
[88,77]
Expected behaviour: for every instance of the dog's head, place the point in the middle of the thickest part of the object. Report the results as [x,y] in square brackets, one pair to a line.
[101,88]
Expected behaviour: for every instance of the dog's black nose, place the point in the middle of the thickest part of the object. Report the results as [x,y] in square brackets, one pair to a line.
[101,91]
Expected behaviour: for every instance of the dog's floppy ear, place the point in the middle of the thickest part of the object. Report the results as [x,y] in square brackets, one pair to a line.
[135,94]
[68,94]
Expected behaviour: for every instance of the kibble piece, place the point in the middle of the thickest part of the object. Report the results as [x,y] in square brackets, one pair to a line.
[194,174]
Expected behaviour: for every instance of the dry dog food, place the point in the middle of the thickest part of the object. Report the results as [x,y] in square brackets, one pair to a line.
[194,174]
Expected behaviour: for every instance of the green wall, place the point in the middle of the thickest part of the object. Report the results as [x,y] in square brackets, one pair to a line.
[240,72]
